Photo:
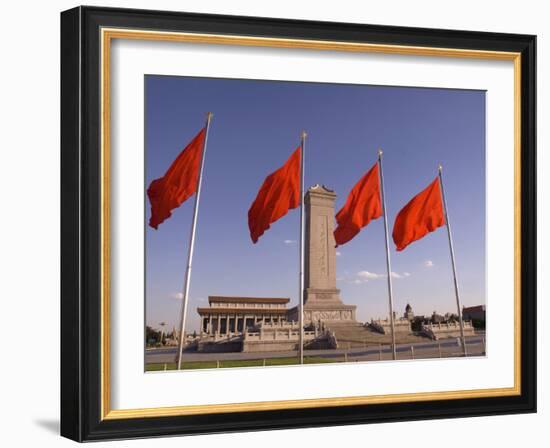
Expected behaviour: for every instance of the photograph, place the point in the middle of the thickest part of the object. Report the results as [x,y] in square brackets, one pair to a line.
[293,223]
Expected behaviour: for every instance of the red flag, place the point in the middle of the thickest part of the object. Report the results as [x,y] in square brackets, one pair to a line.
[422,215]
[178,183]
[363,205]
[279,193]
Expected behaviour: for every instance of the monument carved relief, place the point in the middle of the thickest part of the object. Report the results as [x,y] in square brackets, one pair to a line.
[323,246]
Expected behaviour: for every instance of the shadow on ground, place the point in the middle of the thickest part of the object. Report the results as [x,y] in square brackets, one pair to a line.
[48,425]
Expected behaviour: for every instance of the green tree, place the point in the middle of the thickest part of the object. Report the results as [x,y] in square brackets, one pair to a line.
[151,336]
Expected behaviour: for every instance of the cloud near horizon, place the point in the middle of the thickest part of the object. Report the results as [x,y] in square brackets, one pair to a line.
[365,276]
[179,296]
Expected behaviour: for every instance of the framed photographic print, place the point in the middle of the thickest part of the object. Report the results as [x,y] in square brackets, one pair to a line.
[275,224]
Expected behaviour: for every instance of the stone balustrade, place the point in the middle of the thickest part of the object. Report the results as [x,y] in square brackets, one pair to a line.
[278,335]
[384,325]
[447,330]
[280,339]
[278,325]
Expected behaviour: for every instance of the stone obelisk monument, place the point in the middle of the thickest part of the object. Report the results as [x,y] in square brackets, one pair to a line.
[322,301]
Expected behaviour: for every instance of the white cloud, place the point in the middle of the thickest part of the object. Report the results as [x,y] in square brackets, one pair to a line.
[338,253]
[289,242]
[179,296]
[428,263]
[369,275]
[398,275]
[358,281]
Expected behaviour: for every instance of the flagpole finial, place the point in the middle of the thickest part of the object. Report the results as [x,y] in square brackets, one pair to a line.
[440,168]
[304,135]
[380,152]
[209,116]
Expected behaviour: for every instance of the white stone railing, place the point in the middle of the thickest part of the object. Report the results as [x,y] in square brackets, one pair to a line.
[278,325]
[434,331]
[382,325]
[448,325]
[217,337]
[278,335]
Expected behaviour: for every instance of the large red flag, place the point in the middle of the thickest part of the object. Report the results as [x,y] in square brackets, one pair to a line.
[422,215]
[363,205]
[279,193]
[178,183]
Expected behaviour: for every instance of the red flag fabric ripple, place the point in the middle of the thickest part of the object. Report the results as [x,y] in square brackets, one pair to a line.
[279,193]
[362,205]
[422,215]
[178,183]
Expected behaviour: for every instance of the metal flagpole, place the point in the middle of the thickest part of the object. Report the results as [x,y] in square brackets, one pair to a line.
[388,263]
[302,230]
[191,246]
[451,248]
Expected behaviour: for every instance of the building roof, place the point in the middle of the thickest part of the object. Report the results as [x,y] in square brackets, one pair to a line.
[473,309]
[225,299]
[241,311]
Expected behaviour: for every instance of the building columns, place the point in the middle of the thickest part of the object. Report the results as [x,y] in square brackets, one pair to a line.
[212,324]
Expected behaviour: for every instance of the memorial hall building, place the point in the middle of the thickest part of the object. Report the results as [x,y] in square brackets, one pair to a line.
[231,315]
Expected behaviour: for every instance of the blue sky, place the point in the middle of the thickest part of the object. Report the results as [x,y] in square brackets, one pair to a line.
[255,128]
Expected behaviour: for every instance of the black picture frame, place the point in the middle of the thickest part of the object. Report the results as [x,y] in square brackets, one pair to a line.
[81,224]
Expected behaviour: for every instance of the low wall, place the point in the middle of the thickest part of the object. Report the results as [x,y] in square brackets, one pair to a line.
[384,326]
[277,338]
[447,330]
[211,345]
[269,346]
[287,339]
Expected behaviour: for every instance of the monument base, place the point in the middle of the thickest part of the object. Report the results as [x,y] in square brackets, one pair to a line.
[315,313]
[326,312]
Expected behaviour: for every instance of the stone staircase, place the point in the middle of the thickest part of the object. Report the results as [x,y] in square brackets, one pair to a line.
[355,334]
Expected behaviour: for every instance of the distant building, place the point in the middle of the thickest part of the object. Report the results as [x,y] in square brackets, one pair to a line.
[437,318]
[409,315]
[232,315]
[474,313]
